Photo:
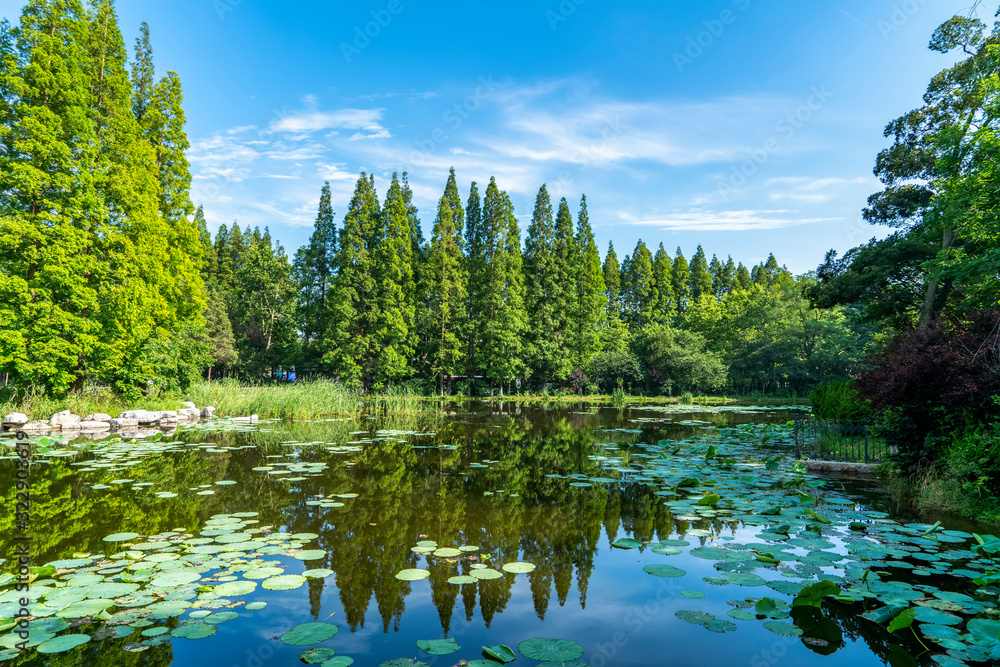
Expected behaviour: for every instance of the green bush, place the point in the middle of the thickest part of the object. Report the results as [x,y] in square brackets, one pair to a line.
[839,400]
[687,398]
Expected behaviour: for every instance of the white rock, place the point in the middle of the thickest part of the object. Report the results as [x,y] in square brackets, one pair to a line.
[133,414]
[36,426]
[124,422]
[164,414]
[252,419]
[189,405]
[72,426]
[207,412]
[94,425]
[97,417]
[15,419]
[63,418]
[189,413]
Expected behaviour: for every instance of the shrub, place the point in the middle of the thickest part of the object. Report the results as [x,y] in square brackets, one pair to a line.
[930,384]
[687,398]
[681,359]
[611,370]
[839,400]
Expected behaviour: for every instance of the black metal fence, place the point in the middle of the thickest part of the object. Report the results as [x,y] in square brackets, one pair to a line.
[838,440]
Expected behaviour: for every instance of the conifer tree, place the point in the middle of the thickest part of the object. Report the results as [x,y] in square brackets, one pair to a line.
[663,280]
[701,277]
[614,335]
[394,290]
[544,294]
[476,270]
[590,294]
[446,287]
[729,276]
[743,278]
[350,343]
[567,262]
[315,268]
[682,281]
[219,331]
[224,264]
[717,270]
[642,288]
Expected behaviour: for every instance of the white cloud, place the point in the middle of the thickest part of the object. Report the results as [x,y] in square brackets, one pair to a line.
[726,221]
[367,121]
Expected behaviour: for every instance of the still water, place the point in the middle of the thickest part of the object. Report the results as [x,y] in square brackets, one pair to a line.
[354,503]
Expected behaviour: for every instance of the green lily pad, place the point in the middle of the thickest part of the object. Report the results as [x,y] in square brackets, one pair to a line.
[194,631]
[235,588]
[627,543]
[438,646]
[519,568]
[500,652]
[284,582]
[311,554]
[315,656]
[783,629]
[63,643]
[667,571]
[121,537]
[448,552]
[553,650]
[309,633]
[413,575]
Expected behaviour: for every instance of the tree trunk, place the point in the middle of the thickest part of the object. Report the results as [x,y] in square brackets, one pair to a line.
[209,373]
[931,295]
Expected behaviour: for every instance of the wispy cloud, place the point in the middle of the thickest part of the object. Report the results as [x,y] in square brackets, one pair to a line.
[368,121]
[726,221]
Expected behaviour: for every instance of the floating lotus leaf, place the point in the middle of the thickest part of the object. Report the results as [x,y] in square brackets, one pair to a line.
[255,606]
[413,575]
[319,573]
[263,573]
[154,632]
[284,582]
[485,574]
[194,631]
[309,633]
[63,643]
[84,608]
[626,543]
[519,568]
[462,580]
[175,578]
[222,617]
[500,652]
[693,595]
[553,650]
[404,662]
[667,571]
[438,646]
[339,661]
[121,537]
[311,554]
[783,629]
[235,588]
[448,552]
[315,656]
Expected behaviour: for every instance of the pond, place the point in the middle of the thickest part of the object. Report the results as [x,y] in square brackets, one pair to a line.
[628,537]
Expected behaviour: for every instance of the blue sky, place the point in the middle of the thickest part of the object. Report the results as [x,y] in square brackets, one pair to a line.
[742,125]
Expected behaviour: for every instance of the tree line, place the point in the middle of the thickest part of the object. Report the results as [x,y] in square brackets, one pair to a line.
[110,276]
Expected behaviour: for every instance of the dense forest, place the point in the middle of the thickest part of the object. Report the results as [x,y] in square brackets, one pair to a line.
[109,275]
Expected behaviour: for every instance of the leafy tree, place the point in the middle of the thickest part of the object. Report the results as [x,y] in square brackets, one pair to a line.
[219,331]
[642,293]
[567,264]
[590,295]
[446,287]
[616,369]
[394,289]
[350,344]
[678,359]
[682,281]
[544,293]
[743,277]
[476,266]
[663,282]
[315,270]
[614,337]
[701,277]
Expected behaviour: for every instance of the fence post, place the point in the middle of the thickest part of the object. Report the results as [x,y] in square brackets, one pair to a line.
[866,443]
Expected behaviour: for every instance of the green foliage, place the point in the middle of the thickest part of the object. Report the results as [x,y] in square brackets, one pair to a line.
[678,359]
[616,370]
[838,400]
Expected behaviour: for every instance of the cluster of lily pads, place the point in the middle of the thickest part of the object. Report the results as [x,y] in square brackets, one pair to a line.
[477,571]
[808,543]
[155,589]
[552,653]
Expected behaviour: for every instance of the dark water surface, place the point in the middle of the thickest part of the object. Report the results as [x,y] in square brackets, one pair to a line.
[419,479]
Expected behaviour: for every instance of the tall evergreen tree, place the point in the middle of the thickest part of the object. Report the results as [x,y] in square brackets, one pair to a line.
[394,290]
[567,264]
[503,317]
[590,293]
[614,335]
[743,278]
[642,295]
[219,330]
[682,281]
[315,269]
[717,271]
[225,267]
[544,294]
[446,286]
[729,281]
[701,277]
[350,344]
[476,270]
[663,280]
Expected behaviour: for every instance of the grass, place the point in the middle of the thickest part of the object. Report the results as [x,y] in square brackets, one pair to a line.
[309,400]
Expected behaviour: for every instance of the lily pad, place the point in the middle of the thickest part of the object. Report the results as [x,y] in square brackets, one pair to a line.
[63,643]
[552,650]
[519,568]
[121,537]
[413,575]
[438,646]
[309,633]
[315,656]
[667,571]
[500,652]
[284,582]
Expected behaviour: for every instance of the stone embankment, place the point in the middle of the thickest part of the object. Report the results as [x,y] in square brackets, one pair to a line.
[127,423]
[839,469]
